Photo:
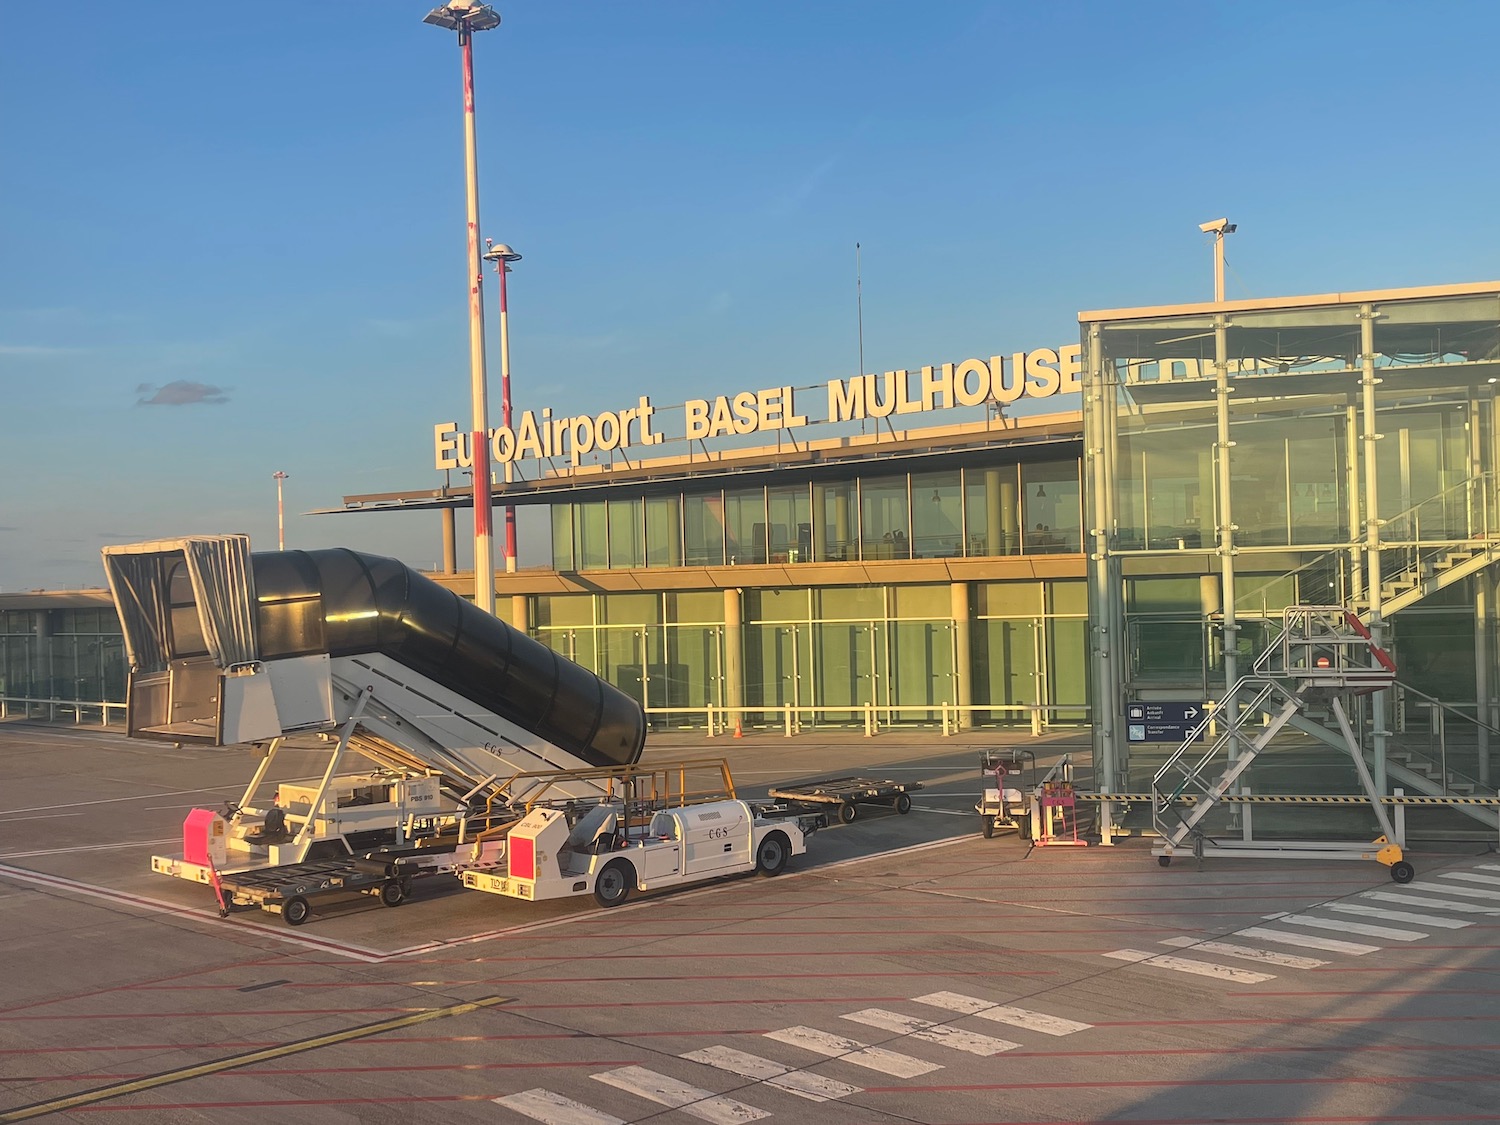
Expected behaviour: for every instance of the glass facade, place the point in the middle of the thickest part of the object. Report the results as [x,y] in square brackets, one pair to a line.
[974,512]
[1336,452]
[73,655]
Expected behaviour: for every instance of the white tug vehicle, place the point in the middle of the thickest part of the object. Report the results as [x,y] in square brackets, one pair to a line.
[651,835]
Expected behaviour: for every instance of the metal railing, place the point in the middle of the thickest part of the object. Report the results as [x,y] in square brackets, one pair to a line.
[52,708]
[719,719]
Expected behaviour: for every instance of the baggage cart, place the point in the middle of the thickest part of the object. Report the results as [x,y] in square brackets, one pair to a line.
[848,793]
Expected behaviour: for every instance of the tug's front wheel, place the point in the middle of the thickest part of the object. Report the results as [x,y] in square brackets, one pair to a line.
[614,883]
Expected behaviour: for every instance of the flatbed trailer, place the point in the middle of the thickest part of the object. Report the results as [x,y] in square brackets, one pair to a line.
[848,793]
[291,889]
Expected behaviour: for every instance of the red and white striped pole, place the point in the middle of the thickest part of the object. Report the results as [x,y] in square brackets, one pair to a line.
[466,17]
[502,255]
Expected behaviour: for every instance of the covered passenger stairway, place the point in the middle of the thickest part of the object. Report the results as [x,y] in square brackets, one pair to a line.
[227,647]
[1324,655]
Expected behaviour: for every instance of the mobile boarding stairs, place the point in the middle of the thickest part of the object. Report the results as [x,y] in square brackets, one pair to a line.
[1325,654]
[445,711]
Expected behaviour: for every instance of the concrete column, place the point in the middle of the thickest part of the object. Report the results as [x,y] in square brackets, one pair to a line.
[450,552]
[734,655]
[41,666]
[820,523]
[963,679]
[520,613]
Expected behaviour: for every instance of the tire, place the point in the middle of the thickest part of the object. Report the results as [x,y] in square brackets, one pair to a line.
[1403,872]
[1023,826]
[847,812]
[903,803]
[614,883]
[987,826]
[296,910]
[1164,861]
[392,893]
[772,853]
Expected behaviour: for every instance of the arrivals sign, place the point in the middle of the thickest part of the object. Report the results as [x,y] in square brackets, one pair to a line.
[1036,374]
[1161,722]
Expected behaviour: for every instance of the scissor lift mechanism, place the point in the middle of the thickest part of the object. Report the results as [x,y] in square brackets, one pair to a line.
[1325,653]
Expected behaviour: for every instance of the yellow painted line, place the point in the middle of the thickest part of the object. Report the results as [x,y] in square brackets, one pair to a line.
[135,1086]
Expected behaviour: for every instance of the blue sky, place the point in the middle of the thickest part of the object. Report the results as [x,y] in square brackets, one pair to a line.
[254,214]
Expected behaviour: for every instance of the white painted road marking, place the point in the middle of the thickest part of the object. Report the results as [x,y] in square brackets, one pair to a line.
[1188,965]
[1406,899]
[1306,941]
[1470,877]
[1398,915]
[1000,1013]
[853,1051]
[1248,952]
[971,1041]
[1351,927]
[1462,892]
[658,1088]
[813,1087]
[554,1109]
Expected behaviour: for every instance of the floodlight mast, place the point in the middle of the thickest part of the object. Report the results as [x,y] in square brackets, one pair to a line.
[502,255]
[466,17]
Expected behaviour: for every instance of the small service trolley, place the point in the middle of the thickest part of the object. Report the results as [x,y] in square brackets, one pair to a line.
[848,793]
[1005,778]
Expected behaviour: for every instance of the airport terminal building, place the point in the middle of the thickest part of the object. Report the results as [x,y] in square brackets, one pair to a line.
[961,547]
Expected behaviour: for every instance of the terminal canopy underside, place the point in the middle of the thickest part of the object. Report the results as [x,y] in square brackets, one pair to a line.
[1243,458]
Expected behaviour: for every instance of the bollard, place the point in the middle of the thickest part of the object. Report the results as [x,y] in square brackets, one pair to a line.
[789,722]
[709,711]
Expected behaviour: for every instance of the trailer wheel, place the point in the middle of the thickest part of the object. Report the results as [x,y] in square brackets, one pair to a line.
[987,826]
[772,854]
[847,812]
[392,893]
[614,883]
[1164,861]
[295,911]
[1023,826]
[1403,872]
[903,804]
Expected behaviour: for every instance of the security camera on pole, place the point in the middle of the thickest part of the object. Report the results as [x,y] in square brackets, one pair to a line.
[466,17]
[1218,228]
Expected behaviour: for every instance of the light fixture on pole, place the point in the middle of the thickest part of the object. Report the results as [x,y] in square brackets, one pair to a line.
[502,255]
[278,476]
[466,17]
[1218,228]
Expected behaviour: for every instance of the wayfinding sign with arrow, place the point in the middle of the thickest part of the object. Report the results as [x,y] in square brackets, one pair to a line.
[1157,721]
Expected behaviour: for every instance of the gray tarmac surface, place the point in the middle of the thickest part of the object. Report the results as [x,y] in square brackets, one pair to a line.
[904,970]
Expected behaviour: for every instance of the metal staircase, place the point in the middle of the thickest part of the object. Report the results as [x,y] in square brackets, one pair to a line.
[1324,654]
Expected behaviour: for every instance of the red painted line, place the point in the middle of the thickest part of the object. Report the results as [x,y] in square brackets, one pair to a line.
[287,1103]
[1152,1084]
[1375,992]
[288,1071]
[258,1044]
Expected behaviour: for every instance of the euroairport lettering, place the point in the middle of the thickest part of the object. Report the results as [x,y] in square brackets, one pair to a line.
[1040,373]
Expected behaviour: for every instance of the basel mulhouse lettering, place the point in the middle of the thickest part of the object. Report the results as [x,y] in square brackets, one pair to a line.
[1041,373]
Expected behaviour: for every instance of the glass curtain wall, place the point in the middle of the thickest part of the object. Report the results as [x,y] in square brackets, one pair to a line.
[1260,447]
[974,512]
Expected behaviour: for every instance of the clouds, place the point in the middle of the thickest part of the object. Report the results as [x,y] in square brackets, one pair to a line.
[181,392]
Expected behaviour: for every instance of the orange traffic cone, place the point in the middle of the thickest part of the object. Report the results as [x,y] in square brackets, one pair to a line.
[738,731]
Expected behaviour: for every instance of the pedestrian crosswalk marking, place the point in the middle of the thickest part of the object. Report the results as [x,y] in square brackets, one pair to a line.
[960,1040]
[1248,952]
[1470,877]
[554,1109]
[1398,915]
[1344,927]
[1410,899]
[853,1051]
[659,1088]
[813,1087]
[1462,892]
[1306,941]
[1189,965]
[1000,1013]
